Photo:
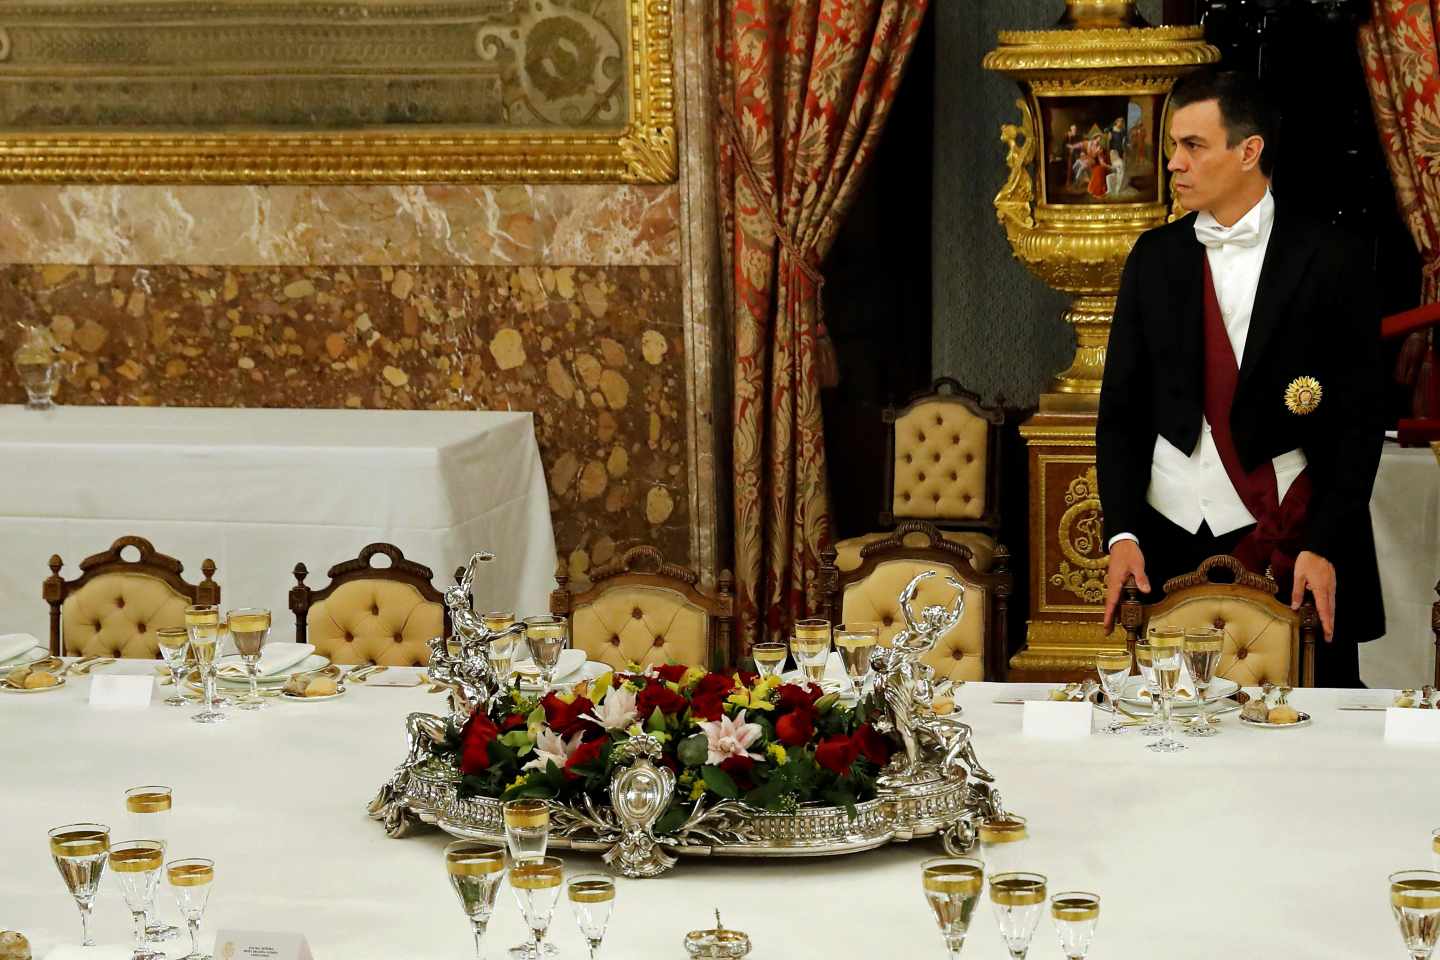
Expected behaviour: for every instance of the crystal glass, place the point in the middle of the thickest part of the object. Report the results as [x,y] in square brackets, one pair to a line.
[1415,902]
[202,622]
[536,884]
[1435,848]
[38,364]
[174,644]
[810,646]
[497,620]
[527,828]
[475,871]
[1018,899]
[1146,667]
[1113,669]
[1202,648]
[1075,914]
[769,658]
[592,898]
[135,865]
[1165,659]
[147,814]
[952,888]
[546,637]
[190,881]
[1002,843]
[81,851]
[856,641]
[250,628]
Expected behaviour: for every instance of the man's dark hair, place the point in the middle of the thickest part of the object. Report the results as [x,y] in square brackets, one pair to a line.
[1245,110]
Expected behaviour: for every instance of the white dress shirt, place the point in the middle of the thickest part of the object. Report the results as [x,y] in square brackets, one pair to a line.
[1194,488]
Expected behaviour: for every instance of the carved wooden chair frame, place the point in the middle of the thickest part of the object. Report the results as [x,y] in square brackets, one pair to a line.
[948,390]
[1248,586]
[1435,629]
[401,570]
[151,563]
[999,582]
[644,566]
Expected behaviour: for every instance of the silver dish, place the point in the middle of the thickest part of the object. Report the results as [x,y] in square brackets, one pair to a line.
[1304,721]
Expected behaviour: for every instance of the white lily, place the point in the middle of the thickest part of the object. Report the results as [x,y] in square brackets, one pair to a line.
[550,747]
[730,737]
[617,711]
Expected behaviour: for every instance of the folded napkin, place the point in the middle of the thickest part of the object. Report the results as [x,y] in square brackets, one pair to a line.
[13,645]
[275,659]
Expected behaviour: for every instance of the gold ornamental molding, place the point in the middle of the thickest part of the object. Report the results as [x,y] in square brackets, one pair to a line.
[1080,536]
[171,91]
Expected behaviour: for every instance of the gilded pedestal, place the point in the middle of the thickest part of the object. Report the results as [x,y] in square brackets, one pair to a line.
[1086,178]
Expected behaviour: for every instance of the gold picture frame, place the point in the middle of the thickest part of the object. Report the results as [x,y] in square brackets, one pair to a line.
[58,140]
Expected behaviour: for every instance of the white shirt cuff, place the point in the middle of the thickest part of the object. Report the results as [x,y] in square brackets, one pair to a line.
[1120,536]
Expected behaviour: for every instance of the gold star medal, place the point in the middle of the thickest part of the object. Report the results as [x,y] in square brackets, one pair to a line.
[1303,395]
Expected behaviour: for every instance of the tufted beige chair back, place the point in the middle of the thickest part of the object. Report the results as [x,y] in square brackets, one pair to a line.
[118,602]
[975,648]
[1265,641]
[641,611]
[943,450]
[371,613]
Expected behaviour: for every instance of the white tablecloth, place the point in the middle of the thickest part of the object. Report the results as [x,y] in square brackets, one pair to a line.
[1405,510]
[257,490]
[1258,843]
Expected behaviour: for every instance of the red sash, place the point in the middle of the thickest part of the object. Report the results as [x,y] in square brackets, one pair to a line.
[1275,541]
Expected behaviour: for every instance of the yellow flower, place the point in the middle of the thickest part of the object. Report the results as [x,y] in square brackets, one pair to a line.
[698,790]
[567,697]
[766,686]
[601,686]
[692,675]
[517,782]
[749,700]
[777,752]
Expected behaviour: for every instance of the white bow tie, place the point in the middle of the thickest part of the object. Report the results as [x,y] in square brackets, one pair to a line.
[1243,234]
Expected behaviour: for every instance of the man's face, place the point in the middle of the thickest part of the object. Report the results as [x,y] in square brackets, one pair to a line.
[1204,170]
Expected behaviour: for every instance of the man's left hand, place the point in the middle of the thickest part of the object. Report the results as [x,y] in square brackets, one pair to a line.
[1314,572]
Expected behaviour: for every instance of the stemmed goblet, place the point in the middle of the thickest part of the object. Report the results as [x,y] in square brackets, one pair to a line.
[81,851]
[952,888]
[769,658]
[527,834]
[475,871]
[1415,903]
[592,897]
[1018,899]
[136,864]
[546,638]
[1202,656]
[147,814]
[1113,668]
[810,646]
[174,643]
[1075,914]
[250,628]
[1165,658]
[856,641]
[190,881]
[536,884]
[202,621]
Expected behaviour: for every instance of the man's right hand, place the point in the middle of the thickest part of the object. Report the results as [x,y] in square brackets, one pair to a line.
[1126,561]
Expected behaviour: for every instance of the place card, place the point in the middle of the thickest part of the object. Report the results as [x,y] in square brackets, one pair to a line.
[1056,719]
[1409,725]
[115,690]
[260,945]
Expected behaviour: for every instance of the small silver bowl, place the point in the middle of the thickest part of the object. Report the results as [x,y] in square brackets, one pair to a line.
[716,943]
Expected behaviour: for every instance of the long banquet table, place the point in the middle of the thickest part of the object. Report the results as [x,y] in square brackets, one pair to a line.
[1254,843]
[257,490]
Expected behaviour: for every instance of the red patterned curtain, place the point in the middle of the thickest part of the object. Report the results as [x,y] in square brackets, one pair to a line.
[1402,70]
[804,87]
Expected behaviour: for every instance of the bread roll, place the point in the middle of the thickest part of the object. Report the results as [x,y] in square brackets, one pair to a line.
[14,946]
[321,687]
[40,679]
[1284,713]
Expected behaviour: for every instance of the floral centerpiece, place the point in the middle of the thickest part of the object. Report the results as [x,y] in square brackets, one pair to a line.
[731,736]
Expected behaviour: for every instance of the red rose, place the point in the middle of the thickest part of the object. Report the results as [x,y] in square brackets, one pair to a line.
[584,754]
[514,722]
[475,739]
[564,718]
[796,728]
[714,683]
[656,694]
[837,753]
[739,768]
[873,745]
[792,696]
[707,706]
[671,672]
[747,678]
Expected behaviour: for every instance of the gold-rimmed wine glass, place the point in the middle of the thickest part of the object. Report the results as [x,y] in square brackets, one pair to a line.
[81,851]
[501,652]
[856,641]
[1001,842]
[592,898]
[1075,913]
[1202,647]
[148,814]
[1146,666]
[190,880]
[810,646]
[1415,903]
[1166,656]
[1113,669]
[952,888]
[547,638]
[536,884]
[475,871]
[249,629]
[769,658]
[202,621]
[527,828]
[135,865]
[174,643]
[1018,899]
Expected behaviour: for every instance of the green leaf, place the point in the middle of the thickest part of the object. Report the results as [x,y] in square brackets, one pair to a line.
[656,723]
[519,741]
[670,821]
[693,750]
[824,704]
[719,781]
